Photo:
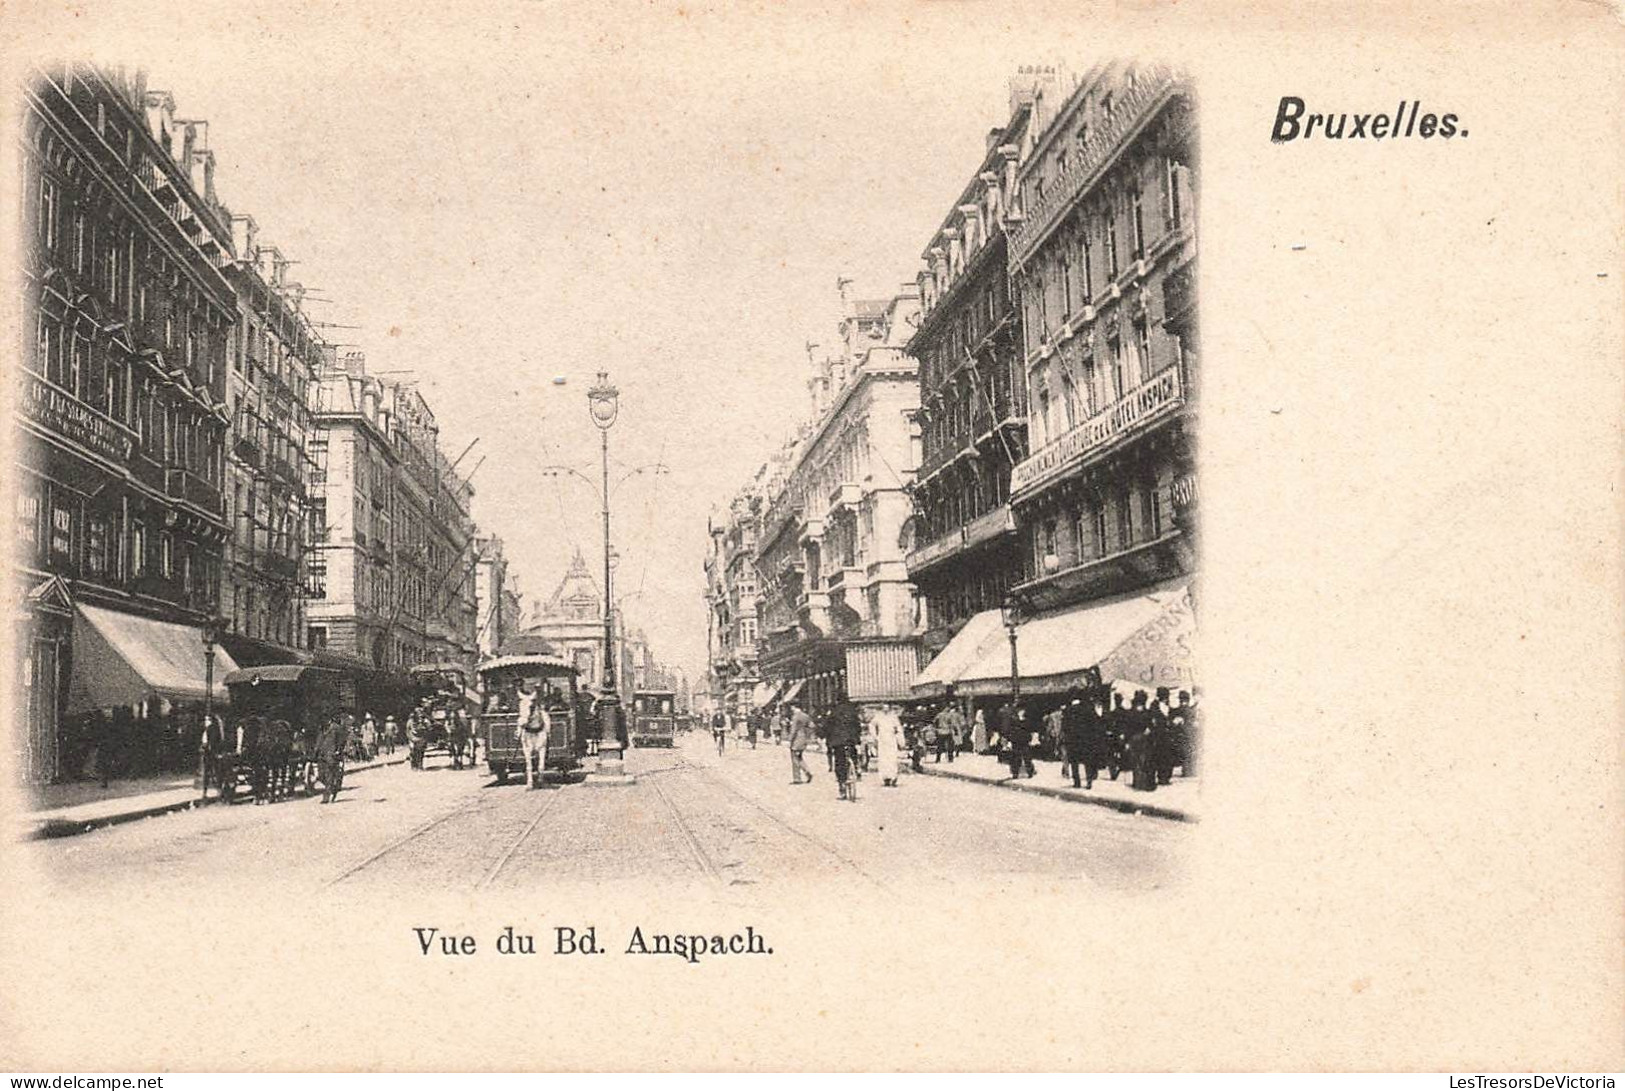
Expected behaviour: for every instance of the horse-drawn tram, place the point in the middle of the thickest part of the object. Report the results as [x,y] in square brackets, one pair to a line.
[654,717]
[278,711]
[532,721]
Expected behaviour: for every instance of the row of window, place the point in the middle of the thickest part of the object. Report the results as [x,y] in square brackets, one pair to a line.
[966,408]
[1101,525]
[55,529]
[949,505]
[1067,393]
[262,617]
[985,589]
[173,431]
[133,279]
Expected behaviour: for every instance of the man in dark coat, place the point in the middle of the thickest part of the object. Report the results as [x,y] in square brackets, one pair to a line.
[1013,726]
[1139,745]
[1084,733]
[1117,732]
[845,732]
[1164,746]
[330,744]
[417,736]
[1187,730]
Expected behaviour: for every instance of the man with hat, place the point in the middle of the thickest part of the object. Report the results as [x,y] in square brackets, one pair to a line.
[950,725]
[330,744]
[1164,746]
[1139,745]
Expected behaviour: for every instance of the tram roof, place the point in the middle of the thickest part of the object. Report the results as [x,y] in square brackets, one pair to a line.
[509,662]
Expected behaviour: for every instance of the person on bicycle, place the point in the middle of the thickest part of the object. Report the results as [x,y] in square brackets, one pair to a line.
[719,729]
[845,733]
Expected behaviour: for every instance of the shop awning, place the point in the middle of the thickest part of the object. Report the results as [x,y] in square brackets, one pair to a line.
[980,635]
[795,688]
[881,671]
[766,693]
[1142,639]
[122,659]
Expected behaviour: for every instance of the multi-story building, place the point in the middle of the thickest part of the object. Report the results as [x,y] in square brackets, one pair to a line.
[973,426]
[836,612]
[452,621]
[730,570]
[494,593]
[1101,250]
[352,605]
[392,568]
[274,353]
[128,311]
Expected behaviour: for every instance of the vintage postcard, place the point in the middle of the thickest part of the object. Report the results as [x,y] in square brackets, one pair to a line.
[917,536]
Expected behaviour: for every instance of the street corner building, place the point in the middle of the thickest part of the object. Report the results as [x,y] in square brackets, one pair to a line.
[185,436]
[1102,264]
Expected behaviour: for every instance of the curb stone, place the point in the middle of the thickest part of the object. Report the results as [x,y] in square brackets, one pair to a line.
[1123,805]
[54,827]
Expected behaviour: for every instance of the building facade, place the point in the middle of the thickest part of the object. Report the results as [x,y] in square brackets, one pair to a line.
[730,572]
[392,563]
[973,403]
[572,620]
[496,597]
[121,408]
[836,612]
[275,355]
[1103,263]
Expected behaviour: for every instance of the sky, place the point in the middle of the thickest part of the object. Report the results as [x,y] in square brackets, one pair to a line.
[525,194]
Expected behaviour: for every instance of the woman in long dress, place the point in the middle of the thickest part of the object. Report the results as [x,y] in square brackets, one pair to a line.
[888,741]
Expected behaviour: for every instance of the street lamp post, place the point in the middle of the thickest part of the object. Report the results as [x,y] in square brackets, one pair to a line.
[210,636]
[603,403]
[1011,611]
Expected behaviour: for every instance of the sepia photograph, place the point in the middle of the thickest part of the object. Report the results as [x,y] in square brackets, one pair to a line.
[277,557]
[905,538]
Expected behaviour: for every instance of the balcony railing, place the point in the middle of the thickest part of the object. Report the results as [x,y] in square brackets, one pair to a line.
[1160,395]
[188,486]
[845,495]
[1148,94]
[981,529]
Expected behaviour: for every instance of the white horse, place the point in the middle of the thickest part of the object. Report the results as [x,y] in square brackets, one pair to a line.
[535,726]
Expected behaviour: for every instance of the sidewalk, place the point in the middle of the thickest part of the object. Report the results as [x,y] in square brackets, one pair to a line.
[63,810]
[1180,800]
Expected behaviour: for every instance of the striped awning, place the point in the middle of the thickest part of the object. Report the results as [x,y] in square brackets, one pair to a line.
[122,659]
[881,671]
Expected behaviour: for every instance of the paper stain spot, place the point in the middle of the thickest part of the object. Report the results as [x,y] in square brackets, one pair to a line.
[1300,246]
[558,380]
[394,331]
[1360,985]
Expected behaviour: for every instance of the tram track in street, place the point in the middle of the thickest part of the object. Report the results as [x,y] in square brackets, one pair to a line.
[467,810]
[398,843]
[703,859]
[502,861]
[779,820]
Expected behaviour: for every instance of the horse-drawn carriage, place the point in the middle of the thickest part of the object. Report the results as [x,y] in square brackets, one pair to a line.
[450,706]
[278,711]
[524,679]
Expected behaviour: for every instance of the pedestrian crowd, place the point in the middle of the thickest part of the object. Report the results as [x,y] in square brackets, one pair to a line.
[1092,730]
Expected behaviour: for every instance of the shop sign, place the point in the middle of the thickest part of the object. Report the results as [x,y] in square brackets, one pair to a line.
[1184,491]
[60,412]
[61,533]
